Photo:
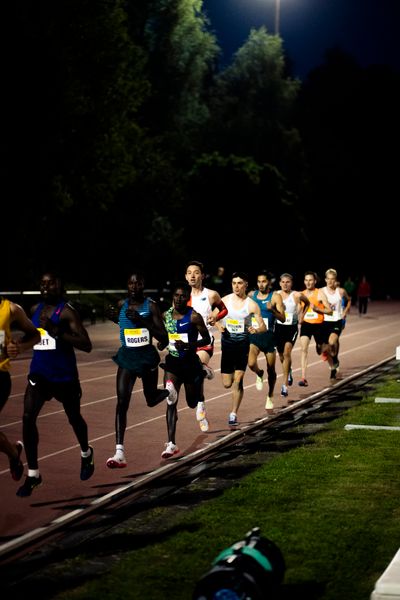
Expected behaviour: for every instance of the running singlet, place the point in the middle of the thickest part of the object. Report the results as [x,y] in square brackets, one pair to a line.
[267,315]
[290,306]
[5,333]
[131,334]
[237,321]
[201,304]
[53,358]
[180,329]
[336,304]
[311,316]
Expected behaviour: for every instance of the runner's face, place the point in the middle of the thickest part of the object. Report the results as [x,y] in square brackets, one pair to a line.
[180,300]
[286,284]
[309,282]
[194,276]
[239,286]
[135,286]
[262,283]
[331,281]
[50,286]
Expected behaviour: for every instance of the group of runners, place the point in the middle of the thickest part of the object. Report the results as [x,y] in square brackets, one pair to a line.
[262,320]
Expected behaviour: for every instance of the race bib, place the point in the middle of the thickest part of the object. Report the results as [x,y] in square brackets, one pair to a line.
[255,324]
[333,317]
[46,341]
[174,337]
[311,315]
[235,325]
[2,342]
[134,338]
[288,319]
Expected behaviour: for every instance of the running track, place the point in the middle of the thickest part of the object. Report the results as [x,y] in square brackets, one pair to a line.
[364,342]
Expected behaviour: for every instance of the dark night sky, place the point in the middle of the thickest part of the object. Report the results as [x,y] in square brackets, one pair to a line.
[366,29]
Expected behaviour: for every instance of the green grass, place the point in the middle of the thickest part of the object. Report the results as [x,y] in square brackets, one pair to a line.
[331,506]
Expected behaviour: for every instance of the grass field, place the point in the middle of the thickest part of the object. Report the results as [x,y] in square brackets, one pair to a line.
[331,505]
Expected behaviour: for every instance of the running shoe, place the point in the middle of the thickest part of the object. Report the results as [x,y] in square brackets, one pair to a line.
[284,391]
[118,461]
[16,466]
[201,416]
[200,411]
[173,394]
[303,382]
[232,419]
[170,450]
[87,465]
[333,373]
[269,404]
[260,381]
[159,397]
[208,372]
[204,426]
[290,378]
[28,486]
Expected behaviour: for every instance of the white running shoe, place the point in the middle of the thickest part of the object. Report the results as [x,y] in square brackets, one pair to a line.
[204,425]
[232,420]
[118,461]
[269,404]
[208,371]
[173,394]
[170,450]
[200,411]
[260,381]
[201,416]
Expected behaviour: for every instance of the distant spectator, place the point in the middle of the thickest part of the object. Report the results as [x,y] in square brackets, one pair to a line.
[363,295]
[218,280]
[351,287]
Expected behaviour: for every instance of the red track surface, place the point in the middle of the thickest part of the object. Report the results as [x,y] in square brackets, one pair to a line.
[364,342]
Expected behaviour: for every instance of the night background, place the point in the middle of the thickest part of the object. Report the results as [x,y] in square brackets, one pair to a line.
[144,134]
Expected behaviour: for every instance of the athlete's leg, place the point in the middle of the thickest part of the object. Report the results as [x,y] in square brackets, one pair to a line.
[172,411]
[304,344]
[72,407]
[271,359]
[33,402]
[151,392]
[5,388]
[125,383]
[252,361]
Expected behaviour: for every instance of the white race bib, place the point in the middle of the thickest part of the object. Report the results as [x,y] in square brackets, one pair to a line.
[135,338]
[235,325]
[2,342]
[174,337]
[311,315]
[255,324]
[46,341]
[333,317]
[288,319]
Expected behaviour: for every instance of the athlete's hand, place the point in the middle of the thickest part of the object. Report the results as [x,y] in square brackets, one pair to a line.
[133,315]
[112,313]
[13,349]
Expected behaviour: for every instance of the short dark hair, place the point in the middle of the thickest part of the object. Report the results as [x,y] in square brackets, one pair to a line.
[313,273]
[196,263]
[182,285]
[266,274]
[241,275]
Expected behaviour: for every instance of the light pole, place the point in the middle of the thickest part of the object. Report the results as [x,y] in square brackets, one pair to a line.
[277,15]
